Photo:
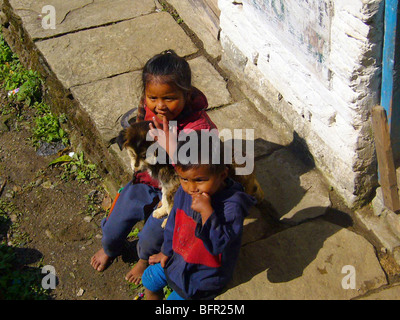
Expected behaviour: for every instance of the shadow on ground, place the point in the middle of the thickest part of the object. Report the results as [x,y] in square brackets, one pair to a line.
[283,256]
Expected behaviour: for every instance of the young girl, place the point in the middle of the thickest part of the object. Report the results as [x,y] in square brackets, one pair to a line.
[168,95]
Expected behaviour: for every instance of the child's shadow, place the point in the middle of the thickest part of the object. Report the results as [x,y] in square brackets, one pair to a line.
[284,251]
[20,280]
[285,255]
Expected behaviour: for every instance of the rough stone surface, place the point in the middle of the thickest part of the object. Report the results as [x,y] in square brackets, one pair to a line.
[199,22]
[108,99]
[377,203]
[381,227]
[296,191]
[103,52]
[77,15]
[206,78]
[305,262]
[257,225]
[391,293]
[242,115]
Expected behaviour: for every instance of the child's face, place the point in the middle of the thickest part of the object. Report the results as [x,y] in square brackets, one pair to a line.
[164,100]
[199,180]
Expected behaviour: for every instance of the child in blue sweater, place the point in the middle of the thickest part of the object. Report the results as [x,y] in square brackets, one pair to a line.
[203,234]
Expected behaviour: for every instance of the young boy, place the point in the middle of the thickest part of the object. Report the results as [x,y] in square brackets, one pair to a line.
[203,234]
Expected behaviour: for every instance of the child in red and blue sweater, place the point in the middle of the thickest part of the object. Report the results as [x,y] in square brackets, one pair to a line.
[168,95]
[202,237]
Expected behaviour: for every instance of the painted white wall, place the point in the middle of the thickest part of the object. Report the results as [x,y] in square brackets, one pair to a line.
[323,57]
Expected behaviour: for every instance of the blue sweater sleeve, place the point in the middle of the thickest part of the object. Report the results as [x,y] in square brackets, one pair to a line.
[169,232]
[219,231]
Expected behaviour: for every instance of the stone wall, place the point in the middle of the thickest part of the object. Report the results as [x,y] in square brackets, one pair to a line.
[316,63]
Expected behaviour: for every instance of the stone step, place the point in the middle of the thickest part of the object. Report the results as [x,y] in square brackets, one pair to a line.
[75,15]
[199,19]
[107,51]
[306,262]
[390,293]
[296,191]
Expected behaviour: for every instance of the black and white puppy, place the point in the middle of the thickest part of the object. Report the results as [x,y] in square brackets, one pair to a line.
[133,139]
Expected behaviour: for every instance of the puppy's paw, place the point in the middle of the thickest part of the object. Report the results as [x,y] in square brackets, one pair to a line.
[160,212]
[164,223]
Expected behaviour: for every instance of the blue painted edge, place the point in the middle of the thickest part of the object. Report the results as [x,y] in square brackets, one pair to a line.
[388,55]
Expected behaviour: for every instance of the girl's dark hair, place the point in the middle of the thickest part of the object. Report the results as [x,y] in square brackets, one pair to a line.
[208,148]
[168,67]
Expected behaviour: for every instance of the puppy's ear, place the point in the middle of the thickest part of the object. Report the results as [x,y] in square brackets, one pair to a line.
[120,139]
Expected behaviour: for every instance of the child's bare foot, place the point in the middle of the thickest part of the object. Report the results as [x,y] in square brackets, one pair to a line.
[100,261]
[135,274]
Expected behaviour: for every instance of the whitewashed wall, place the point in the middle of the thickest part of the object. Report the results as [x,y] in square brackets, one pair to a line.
[323,57]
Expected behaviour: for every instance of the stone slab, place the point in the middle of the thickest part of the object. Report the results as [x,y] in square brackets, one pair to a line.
[257,225]
[305,262]
[392,293]
[108,99]
[243,115]
[75,15]
[94,54]
[297,192]
[207,79]
[197,18]
[384,227]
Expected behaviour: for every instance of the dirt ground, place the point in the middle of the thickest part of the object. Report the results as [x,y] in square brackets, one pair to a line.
[53,217]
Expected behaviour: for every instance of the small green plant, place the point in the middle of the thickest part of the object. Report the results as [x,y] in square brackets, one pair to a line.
[6,55]
[13,76]
[48,126]
[76,167]
[93,204]
[30,90]
[134,233]
[167,291]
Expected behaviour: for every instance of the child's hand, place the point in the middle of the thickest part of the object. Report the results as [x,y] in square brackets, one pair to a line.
[155,258]
[158,258]
[164,260]
[165,136]
[201,202]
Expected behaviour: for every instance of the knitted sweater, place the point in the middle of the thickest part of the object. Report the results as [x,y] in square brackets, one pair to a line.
[202,257]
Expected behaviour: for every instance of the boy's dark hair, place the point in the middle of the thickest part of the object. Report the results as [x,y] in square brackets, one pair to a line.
[208,151]
[171,68]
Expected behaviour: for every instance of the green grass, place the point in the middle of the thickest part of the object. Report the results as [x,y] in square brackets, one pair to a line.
[17,281]
[76,168]
[48,126]
[13,76]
